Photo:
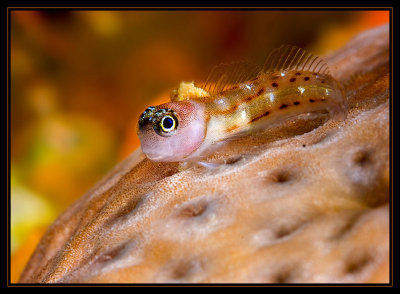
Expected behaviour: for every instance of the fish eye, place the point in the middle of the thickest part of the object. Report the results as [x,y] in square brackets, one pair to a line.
[168,123]
[165,123]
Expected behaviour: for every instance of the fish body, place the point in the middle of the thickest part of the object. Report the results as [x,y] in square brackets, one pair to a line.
[237,99]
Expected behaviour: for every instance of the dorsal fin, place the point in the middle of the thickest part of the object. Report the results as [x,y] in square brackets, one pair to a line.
[288,57]
[224,76]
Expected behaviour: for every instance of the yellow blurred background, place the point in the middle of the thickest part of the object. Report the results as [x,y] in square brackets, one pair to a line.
[80,79]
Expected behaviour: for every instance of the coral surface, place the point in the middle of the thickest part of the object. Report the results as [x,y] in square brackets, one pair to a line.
[307,201]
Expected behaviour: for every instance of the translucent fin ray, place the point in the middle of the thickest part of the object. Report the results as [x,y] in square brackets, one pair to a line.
[288,57]
[225,76]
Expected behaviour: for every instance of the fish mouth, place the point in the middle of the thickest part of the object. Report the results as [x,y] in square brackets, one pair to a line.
[160,157]
[154,157]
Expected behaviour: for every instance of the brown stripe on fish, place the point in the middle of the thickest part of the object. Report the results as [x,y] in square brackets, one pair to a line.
[244,100]
[232,128]
[227,111]
[260,117]
[255,79]
[259,93]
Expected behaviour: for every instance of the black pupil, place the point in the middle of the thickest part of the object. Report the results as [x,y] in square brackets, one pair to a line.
[168,123]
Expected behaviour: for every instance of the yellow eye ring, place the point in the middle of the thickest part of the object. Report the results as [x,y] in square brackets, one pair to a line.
[168,124]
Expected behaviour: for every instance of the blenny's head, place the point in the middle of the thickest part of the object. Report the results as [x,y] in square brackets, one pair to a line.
[172,131]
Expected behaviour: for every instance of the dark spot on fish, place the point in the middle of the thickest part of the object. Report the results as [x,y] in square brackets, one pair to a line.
[283,106]
[274,85]
[306,78]
[296,102]
[323,81]
[297,73]
[311,100]
[292,80]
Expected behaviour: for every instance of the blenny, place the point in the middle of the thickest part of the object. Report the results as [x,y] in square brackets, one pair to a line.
[238,98]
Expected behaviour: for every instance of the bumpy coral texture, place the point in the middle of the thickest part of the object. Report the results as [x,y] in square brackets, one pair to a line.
[307,201]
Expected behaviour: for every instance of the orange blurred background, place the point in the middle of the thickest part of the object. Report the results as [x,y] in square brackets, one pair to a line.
[80,79]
